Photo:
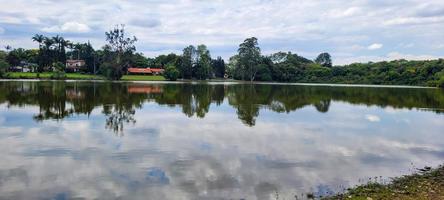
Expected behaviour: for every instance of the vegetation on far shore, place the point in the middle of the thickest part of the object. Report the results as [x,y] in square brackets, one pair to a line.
[78,76]
[426,184]
[50,75]
[142,78]
[196,62]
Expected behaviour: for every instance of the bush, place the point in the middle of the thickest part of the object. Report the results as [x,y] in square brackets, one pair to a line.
[58,67]
[3,66]
[171,73]
[441,82]
[111,71]
[58,75]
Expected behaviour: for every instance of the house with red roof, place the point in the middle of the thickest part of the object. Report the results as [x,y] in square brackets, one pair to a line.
[145,71]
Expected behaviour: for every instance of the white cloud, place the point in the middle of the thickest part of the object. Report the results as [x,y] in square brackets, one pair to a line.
[406,45]
[372,118]
[439,46]
[339,27]
[347,59]
[375,46]
[413,21]
[68,27]
[339,13]
[397,56]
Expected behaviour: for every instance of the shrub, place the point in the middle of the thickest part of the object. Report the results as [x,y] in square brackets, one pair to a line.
[441,82]
[58,75]
[171,73]
[3,66]
[111,71]
[58,66]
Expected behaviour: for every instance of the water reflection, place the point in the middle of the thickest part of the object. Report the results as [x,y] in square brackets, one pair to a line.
[119,101]
[203,141]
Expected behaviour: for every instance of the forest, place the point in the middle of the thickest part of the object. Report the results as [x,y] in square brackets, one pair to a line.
[197,63]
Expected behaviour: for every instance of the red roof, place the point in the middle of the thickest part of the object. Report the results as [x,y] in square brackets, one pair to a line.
[156,70]
[140,70]
[144,70]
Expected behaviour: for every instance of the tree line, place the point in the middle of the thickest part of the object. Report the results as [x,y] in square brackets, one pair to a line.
[196,62]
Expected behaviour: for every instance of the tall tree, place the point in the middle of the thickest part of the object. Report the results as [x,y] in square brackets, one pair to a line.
[16,56]
[120,43]
[188,58]
[324,59]
[218,66]
[202,67]
[123,47]
[38,38]
[249,58]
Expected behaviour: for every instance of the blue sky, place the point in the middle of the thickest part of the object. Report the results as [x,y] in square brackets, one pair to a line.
[351,30]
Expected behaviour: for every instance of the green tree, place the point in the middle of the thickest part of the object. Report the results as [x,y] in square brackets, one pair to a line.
[233,69]
[16,56]
[249,58]
[139,61]
[163,60]
[171,73]
[188,57]
[441,82]
[218,66]
[202,66]
[324,59]
[122,47]
[84,51]
[3,67]
[58,66]
[59,71]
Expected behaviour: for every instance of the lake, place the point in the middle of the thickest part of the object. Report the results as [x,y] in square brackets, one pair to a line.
[105,140]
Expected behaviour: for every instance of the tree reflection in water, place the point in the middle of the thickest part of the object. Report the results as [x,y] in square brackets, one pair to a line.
[120,101]
[116,118]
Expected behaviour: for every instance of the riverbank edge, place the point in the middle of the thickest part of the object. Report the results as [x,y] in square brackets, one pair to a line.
[425,184]
[221,81]
[45,76]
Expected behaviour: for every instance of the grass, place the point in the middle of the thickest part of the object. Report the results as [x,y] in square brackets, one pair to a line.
[78,76]
[142,78]
[28,75]
[47,75]
[425,184]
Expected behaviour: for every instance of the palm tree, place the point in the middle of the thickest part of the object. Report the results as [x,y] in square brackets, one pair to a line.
[57,41]
[78,47]
[38,38]
[48,44]
[8,48]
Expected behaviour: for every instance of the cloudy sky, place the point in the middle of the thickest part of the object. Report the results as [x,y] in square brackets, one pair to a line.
[351,30]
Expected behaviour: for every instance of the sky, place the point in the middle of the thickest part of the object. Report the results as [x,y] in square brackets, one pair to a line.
[350,30]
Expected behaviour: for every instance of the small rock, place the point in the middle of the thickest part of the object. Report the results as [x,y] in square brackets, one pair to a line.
[369,198]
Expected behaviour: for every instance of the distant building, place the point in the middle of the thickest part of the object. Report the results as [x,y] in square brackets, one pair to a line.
[157,71]
[23,67]
[145,71]
[74,65]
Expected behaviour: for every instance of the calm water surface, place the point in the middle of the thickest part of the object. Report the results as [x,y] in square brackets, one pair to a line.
[93,140]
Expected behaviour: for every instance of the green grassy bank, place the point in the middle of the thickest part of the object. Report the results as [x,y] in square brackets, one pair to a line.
[424,185]
[49,75]
[78,76]
[142,78]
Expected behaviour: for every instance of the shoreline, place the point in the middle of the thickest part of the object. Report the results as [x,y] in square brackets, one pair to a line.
[426,183]
[224,82]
